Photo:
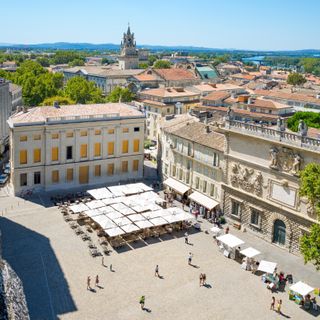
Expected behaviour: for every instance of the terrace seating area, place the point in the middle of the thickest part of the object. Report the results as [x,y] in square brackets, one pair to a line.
[120,215]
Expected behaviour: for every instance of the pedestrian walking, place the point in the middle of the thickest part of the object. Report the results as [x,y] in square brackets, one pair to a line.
[142,301]
[97,281]
[156,271]
[186,238]
[88,283]
[190,258]
[204,278]
[227,230]
[279,305]
[200,279]
[273,302]
[111,267]
[102,261]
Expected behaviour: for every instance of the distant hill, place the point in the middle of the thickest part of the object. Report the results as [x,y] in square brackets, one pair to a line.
[116,47]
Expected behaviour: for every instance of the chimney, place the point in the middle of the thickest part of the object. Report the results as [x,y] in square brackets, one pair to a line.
[56,104]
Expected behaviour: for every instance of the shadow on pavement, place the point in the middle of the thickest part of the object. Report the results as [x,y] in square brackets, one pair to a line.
[33,259]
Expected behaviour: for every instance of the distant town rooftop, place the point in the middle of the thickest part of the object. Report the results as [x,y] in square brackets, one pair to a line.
[73,113]
[169,92]
[103,71]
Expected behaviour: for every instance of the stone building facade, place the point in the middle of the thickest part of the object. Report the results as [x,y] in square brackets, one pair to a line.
[65,147]
[261,190]
[129,56]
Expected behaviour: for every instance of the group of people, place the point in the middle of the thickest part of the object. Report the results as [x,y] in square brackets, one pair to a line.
[202,278]
[89,282]
[273,303]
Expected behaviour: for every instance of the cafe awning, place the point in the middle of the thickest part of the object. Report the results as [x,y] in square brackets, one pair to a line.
[267,266]
[230,240]
[203,200]
[250,252]
[176,185]
[301,288]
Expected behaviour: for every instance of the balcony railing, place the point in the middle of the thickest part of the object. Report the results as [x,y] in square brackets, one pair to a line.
[273,134]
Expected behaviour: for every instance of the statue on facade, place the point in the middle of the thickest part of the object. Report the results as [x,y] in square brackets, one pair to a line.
[274,154]
[257,184]
[302,128]
[296,166]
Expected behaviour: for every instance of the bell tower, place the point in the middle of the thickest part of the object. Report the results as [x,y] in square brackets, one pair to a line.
[129,57]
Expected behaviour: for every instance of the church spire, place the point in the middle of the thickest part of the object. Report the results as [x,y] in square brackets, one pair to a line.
[128,31]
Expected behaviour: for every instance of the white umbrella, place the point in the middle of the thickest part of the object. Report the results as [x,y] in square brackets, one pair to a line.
[250,252]
[301,288]
[230,240]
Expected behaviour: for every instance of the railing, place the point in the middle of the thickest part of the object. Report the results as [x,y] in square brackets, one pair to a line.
[83,117]
[273,134]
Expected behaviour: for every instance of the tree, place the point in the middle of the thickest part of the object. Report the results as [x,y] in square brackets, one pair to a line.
[44,62]
[76,62]
[296,79]
[61,99]
[310,246]
[162,64]
[152,59]
[312,119]
[82,91]
[310,187]
[120,94]
[143,65]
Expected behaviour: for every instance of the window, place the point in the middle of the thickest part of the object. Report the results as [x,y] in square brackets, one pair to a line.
[136,145]
[215,160]
[197,182]
[212,190]
[125,130]
[23,156]
[110,148]
[83,133]
[136,129]
[173,171]
[55,176]
[189,149]
[69,134]
[204,186]
[37,178]
[180,174]
[166,169]
[55,154]
[125,146]
[69,153]
[135,165]
[23,179]
[110,169]
[69,174]
[255,217]
[36,155]
[235,208]
[97,149]
[168,110]
[111,131]
[83,174]
[97,170]
[83,151]
[55,136]
[187,175]
[124,166]
[37,137]
[23,138]
[97,132]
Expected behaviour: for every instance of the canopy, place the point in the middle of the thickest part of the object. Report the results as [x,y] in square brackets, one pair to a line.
[216,230]
[114,215]
[101,193]
[76,208]
[144,224]
[176,185]
[301,288]
[230,240]
[94,204]
[158,221]
[203,200]
[93,213]
[250,252]
[136,217]
[130,228]
[267,266]
[114,232]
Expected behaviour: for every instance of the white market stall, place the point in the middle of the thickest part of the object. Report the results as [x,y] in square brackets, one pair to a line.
[248,262]
[228,243]
[267,266]
[179,187]
[301,288]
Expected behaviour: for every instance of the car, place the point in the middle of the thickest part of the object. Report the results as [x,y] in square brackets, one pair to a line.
[3,179]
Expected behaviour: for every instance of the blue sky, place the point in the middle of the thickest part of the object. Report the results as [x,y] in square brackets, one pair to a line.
[240,24]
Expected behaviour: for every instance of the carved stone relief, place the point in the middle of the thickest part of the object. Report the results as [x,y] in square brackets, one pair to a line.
[246,179]
[284,159]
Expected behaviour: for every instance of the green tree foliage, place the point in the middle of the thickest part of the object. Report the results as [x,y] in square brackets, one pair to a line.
[143,65]
[310,246]
[310,188]
[296,79]
[44,62]
[120,94]
[76,62]
[162,64]
[61,99]
[152,59]
[63,57]
[311,65]
[310,184]
[312,119]
[82,91]
[105,61]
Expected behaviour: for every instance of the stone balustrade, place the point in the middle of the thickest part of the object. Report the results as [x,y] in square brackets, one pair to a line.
[273,134]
